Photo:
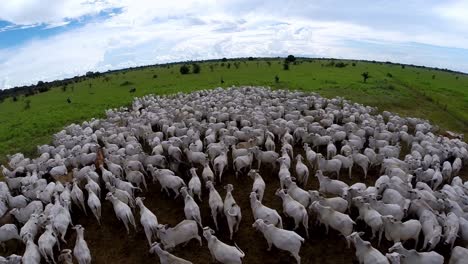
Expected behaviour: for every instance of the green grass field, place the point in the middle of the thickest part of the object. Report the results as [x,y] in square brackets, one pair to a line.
[441,97]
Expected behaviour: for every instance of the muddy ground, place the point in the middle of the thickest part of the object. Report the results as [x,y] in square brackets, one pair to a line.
[110,243]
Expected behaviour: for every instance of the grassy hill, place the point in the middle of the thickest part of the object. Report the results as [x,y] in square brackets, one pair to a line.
[439,96]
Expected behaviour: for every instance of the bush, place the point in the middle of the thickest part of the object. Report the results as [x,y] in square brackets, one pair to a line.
[402,66]
[290,58]
[250,58]
[353,64]
[155,76]
[340,64]
[286,66]
[389,75]
[224,59]
[64,88]
[14,99]
[365,76]
[196,68]
[276,79]
[211,67]
[184,69]
[228,65]
[433,76]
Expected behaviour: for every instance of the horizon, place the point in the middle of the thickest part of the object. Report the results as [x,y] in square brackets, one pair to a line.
[70,38]
[83,74]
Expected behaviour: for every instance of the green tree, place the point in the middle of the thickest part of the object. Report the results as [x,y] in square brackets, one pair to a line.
[290,58]
[196,68]
[365,76]
[184,69]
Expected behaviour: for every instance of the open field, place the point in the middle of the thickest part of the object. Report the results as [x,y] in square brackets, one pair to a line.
[441,97]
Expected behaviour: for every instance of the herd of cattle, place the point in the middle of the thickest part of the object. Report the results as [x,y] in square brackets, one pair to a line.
[418,196]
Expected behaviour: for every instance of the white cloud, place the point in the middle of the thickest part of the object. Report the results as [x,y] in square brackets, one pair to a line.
[29,12]
[146,32]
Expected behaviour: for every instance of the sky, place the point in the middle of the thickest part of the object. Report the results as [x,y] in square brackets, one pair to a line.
[55,39]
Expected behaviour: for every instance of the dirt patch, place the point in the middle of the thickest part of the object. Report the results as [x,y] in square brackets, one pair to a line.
[110,243]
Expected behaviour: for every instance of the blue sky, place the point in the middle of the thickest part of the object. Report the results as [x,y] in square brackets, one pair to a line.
[53,39]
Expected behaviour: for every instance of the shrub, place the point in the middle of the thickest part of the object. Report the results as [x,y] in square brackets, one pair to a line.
[286,66]
[184,69]
[14,99]
[402,66]
[340,64]
[228,65]
[224,59]
[155,76]
[211,67]
[276,79]
[222,80]
[64,88]
[269,63]
[389,75]
[353,64]
[433,76]
[365,76]
[196,68]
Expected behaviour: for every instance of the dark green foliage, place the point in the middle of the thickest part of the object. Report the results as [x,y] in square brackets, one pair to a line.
[290,58]
[365,76]
[402,66]
[211,67]
[276,79]
[433,76]
[269,63]
[64,88]
[222,64]
[223,59]
[155,76]
[341,64]
[222,80]
[389,75]
[14,99]
[286,66]
[184,69]
[250,58]
[353,64]
[228,66]
[196,68]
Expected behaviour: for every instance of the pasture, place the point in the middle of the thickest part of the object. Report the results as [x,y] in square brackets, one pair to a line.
[441,97]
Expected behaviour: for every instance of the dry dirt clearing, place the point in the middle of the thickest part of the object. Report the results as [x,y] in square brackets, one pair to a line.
[109,243]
